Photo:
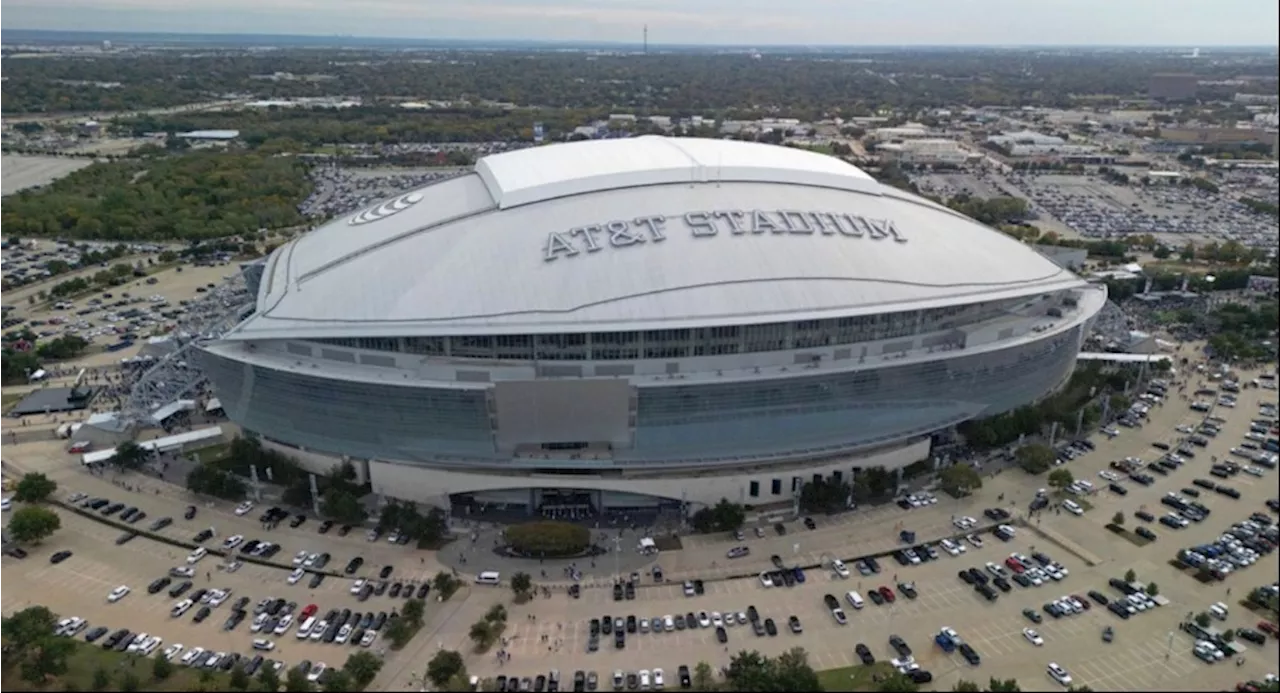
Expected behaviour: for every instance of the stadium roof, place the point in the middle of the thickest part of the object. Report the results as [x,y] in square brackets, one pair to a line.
[641,233]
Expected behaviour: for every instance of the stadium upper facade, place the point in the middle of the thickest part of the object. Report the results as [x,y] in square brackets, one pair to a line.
[643,319]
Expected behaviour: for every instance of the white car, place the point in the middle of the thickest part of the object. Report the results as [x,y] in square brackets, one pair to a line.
[150,645]
[1109,475]
[118,593]
[300,557]
[244,508]
[841,569]
[1073,507]
[138,642]
[644,679]
[195,556]
[357,586]
[283,626]
[963,523]
[975,540]
[658,681]
[952,547]
[1059,674]
[6,504]
[258,622]
[296,575]
[368,637]
[317,631]
[183,571]
[704,621]
[172,651]
[766,580]
[317,670]
[343,633]
[181,607]
[263,644]
[193,656]
[716,619]
[233,541]
[1032,637]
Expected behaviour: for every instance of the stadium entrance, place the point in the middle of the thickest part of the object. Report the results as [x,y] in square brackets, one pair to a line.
[571,505]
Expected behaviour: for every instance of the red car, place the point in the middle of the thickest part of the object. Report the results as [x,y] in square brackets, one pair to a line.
[887,594]
[1266,627]
[1083,602]
[1014,565]
[307,612]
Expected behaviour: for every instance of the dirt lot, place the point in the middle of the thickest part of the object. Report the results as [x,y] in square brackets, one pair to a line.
[21,171]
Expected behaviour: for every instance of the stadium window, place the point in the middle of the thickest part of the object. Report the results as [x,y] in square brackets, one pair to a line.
[777,487]
[755,489]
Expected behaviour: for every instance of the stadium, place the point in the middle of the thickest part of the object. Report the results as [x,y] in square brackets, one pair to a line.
[641,323]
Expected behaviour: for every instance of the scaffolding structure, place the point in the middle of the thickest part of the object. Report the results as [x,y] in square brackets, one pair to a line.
[175,375]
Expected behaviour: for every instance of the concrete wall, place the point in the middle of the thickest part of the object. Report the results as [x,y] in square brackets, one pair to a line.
[421,484]
[316,462]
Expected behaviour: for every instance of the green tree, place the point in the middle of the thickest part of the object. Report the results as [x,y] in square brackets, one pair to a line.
[342,506]
[496,614]
[1003,685]
[363,667]
[336,681]
[1035,458]
[964,686]
[296,681]
[1153,589]
[790,671]
[268,680]
[130,455]
[32,524]
[130,682]
[959,480]
[1117,519]
[444,584]
[34,488]
[414,610]
[162,668]
[444,666]
[1061,478]
[29,643]
[239,679]
[522,585]
[480,634]
[1203,620]
[704,677]
[101,680]
[1130,575]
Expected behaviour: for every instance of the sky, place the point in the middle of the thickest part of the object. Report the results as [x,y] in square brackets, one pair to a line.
[734,22]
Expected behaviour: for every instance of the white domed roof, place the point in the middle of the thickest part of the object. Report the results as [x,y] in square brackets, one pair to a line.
[642,233]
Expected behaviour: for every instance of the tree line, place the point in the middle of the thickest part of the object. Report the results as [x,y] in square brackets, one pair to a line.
[193,196]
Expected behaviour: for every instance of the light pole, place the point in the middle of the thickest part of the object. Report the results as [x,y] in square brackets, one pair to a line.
[617,557]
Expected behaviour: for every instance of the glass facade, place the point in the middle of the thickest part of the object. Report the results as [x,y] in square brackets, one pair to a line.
[764,418]
[683,343]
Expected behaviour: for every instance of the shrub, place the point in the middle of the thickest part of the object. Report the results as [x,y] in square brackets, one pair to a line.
[548,539]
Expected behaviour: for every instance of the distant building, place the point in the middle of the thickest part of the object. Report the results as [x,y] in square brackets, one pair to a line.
[927,152]
[909,131]
[1173,87]
[1206,135]
[210,135]
[1258,99]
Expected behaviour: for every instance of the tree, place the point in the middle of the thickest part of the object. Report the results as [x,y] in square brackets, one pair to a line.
[162,668]
[268,680]
[101,680]
[32,524]
[130,682]
[336,681]
[443,666]
[1117,519]
[704,677]
[480,634]
[959,480]
[522,585]
[239,680]
[1153,589]
[722,517]
[296,681]
[363,668]
[1202,619]
[1003,685]
[130,455]
[444,584]
[414,610]
[1228,635]
[790,671]
[1085,689]
[342,506]
[1061,478]
[963,686]
[34,488]
[29,643]
[1130,576]
[1035,458]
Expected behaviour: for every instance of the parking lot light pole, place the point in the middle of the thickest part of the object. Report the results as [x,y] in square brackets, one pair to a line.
[617,557]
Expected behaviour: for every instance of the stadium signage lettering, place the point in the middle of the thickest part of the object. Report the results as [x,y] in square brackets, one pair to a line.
[653,229]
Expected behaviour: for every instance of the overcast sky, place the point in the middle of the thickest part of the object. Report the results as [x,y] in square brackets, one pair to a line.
[752,22]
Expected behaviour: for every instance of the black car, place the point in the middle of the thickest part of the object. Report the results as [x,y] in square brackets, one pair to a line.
[1253,636]
[875,597]
[16,552]
[158,584]
[996,514]
[179,589]
[190,513]
[395,590]
[365,592]
[423,590]
[202,536]
[1099,597]
[126,538]
[297,520]
[780,528]
[115,638]
[1145,533]
[353,565]
[344,530]
[59,557]
[919,676]
[970,655]
[1003,584]
[808,522]
[686,681]
[385,572]
[630,590]
[617,591]
[316,579]
[722,635]
[95,634]
[202,614]
[908,590]
[752,614]
[864,654]
[325,527]
[619,639]
[965,577]
[770,627]
[1145,516]
[161,523]
[1118,489]
[900,646]
[631,624]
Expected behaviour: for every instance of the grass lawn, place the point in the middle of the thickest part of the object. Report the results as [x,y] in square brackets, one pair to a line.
[89,658]
[211,453]
[855,678]
[9,399]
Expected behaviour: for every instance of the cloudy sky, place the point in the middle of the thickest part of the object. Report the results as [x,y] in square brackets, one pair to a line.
[752,22]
